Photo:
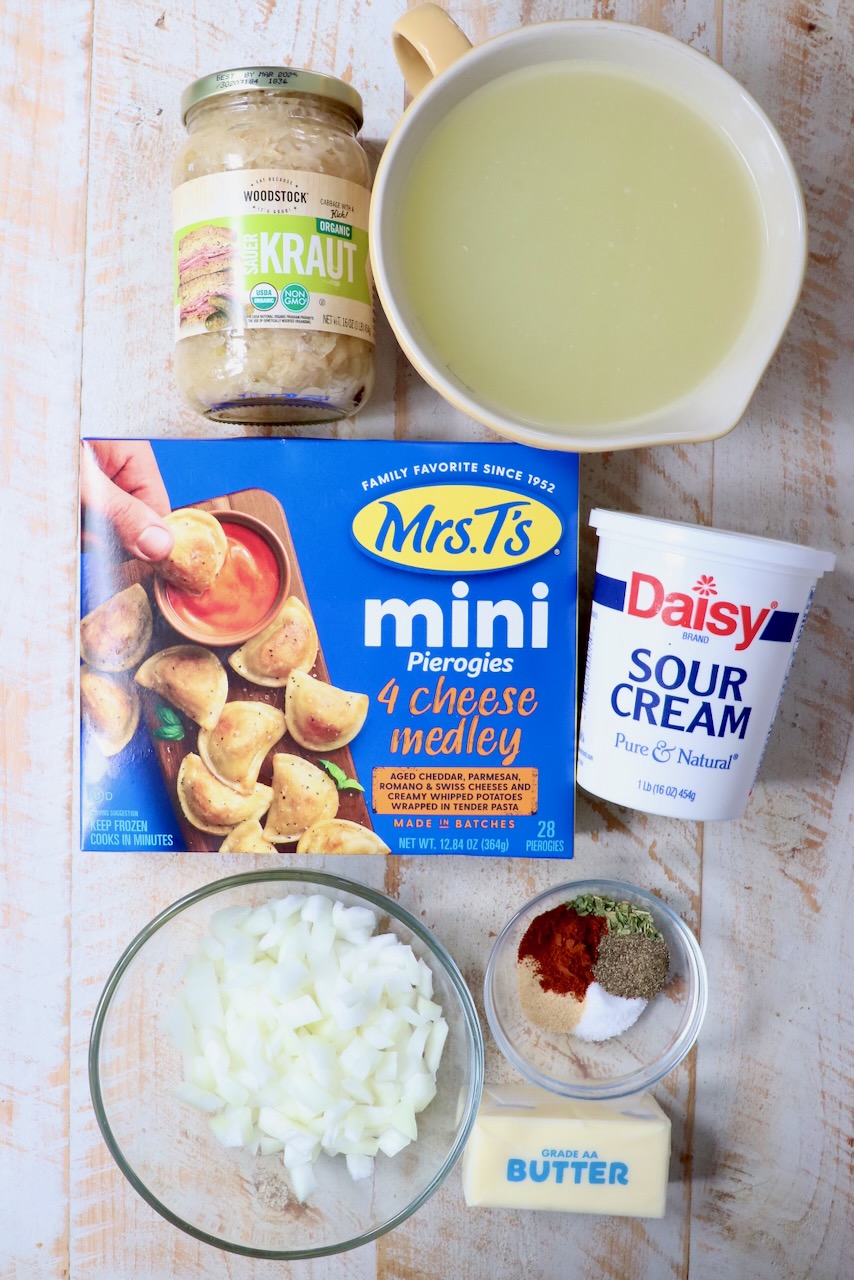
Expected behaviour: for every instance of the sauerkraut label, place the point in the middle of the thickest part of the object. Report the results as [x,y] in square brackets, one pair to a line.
[262,248]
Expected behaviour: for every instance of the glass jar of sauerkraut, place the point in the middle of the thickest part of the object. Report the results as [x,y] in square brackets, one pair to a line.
[273,296]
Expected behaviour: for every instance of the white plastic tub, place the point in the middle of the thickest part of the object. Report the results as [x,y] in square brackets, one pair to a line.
[691,637]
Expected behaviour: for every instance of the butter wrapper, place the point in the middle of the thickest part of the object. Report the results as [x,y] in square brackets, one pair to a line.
[531,1150]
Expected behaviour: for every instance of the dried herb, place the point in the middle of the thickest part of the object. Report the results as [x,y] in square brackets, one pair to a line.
[623,917]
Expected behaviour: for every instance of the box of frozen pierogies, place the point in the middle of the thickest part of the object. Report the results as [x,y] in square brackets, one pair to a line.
[303,646]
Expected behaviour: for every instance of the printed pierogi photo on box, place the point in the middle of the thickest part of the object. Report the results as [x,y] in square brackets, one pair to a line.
[322,647]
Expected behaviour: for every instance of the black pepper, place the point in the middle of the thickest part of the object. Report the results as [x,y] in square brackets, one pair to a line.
[632,965]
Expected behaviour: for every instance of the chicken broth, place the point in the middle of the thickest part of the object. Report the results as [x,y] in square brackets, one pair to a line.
[580,247]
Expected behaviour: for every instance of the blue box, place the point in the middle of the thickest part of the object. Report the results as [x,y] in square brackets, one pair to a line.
[442,582]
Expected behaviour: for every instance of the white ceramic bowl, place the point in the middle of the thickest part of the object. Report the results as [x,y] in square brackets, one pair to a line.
[659,1040]
[426,44]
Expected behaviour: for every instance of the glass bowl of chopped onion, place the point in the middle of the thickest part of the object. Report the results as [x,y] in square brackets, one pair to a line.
[285,1064]
[595,989]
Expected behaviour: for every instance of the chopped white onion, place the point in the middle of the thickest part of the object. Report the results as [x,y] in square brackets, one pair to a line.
[303,1180]
[303,1031]
[359,1167]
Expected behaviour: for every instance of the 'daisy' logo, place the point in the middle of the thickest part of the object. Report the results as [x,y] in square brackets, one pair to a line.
[450,528]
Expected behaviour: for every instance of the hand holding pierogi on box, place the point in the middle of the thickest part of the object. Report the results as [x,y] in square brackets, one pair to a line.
[242,733]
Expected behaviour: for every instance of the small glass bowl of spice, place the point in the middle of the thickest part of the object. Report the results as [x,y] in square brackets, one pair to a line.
[595,989]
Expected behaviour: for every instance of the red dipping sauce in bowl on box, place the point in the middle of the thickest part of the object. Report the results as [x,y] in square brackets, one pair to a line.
[246,592]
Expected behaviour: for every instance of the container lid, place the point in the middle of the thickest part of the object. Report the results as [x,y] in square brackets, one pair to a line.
[689,539]
[277,79]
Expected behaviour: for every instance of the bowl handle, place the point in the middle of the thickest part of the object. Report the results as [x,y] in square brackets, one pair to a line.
[425,41]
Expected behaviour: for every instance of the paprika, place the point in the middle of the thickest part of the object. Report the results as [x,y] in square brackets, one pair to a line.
[563,946]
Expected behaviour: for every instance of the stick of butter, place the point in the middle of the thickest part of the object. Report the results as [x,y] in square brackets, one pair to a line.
[531,1150]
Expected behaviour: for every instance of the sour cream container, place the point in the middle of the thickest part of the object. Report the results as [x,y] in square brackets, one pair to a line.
[692,634]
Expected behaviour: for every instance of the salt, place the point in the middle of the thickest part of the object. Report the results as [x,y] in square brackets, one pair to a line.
[604,1015]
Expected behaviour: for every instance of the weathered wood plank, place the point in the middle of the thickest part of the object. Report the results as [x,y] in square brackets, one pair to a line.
[43,123]
[774,1078]
[472,901]
[759,1189]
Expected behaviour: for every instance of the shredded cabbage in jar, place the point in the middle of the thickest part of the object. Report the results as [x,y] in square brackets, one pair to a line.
[222,368]
[237,374]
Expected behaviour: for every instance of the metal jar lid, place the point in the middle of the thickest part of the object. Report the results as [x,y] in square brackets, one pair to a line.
[283,79]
